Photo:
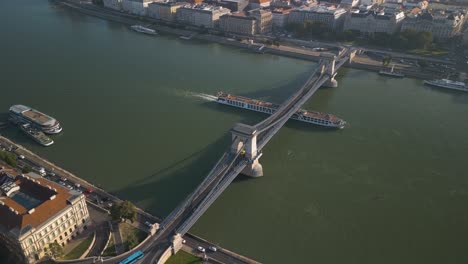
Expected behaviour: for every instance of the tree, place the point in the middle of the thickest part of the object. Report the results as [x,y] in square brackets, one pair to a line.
[386,60]
[123,211]
[26,169]
[9,158]
[55,250]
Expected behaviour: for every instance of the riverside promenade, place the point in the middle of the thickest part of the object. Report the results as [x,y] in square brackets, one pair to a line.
[360,61]
[222,256]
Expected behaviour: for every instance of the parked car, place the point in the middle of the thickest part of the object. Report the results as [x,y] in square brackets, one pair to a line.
[21,157]
[201,249]
[148,224]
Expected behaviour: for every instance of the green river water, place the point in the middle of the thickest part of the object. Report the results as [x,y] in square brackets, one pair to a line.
[391,188]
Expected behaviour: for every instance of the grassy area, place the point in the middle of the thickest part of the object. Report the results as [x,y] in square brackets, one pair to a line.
[80,249]
[131,236]
[183,258]
[428,52]
[110,249]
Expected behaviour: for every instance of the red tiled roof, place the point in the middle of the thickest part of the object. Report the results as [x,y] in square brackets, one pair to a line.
[46,209]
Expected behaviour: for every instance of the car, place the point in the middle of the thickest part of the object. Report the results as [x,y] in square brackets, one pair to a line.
[183,241]
[201,249]
[148,224]
[21,157]
[213,248]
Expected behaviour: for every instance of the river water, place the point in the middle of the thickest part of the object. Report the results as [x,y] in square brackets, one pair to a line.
[391,188]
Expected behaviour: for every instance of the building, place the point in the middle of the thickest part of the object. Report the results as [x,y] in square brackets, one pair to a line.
[201,15]
[369,22]
[238,23]
[348,4]
[465,38]
[443,25]
[164,10]
[233,5]
[264,20]
[113,4]
[136,7]
[331,16]
[279,18]
[36,212]
[254,4]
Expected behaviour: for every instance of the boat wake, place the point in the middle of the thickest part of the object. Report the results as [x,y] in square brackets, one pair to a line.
[207,97]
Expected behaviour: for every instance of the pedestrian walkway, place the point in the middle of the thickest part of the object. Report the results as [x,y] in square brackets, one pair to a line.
[119,246]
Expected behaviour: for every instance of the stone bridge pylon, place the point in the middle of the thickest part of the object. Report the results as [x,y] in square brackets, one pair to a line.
[244,139]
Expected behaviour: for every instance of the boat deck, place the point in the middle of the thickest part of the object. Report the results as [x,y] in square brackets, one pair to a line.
[37,116]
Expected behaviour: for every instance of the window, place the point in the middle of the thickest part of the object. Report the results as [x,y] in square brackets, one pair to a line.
[61,237]
[66,234]
[70,230]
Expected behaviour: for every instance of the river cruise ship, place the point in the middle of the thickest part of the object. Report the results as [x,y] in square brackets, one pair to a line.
[445,83]
[313,117]
[144,30]
[36,135]
[20,114]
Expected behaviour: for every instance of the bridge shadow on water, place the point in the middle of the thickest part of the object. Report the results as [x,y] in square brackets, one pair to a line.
[165,188]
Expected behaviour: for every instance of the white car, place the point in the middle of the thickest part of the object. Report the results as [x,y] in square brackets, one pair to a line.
[21,157]
[213,248]
[201,249]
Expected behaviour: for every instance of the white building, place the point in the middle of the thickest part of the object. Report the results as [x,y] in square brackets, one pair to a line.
[35,212]
[442,25]
[201,15]
[331,16]
[369,22]
[136,7]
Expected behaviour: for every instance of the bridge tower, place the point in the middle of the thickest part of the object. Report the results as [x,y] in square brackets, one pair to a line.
[245,137]
[330,69]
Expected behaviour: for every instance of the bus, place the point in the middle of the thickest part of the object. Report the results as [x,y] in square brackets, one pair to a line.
[133,258]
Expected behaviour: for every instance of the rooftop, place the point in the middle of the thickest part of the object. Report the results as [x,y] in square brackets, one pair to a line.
[27,201]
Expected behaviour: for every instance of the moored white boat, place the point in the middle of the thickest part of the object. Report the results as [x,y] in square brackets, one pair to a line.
[449,84]
[145,30]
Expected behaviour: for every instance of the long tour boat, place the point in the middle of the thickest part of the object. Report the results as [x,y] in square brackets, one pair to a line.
[313,117]
[449,84]
[20,114]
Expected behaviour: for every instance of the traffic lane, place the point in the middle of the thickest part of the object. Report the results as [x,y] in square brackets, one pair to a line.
[217,255]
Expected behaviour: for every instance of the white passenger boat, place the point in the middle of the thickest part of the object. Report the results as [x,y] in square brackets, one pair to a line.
[313,117]
[144,30]
[20,114]
[449,84]
[391,73]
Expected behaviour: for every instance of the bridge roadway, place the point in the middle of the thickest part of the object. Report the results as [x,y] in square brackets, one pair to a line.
[183,217]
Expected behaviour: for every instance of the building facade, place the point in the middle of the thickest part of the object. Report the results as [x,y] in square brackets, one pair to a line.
[280,18]
[164,10]
[442,25]
[237,23]
[201,15]
[136,7]
[36,212]
[264,20]
[369,22]
[330,16]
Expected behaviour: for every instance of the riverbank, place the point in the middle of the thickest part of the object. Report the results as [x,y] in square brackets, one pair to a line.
[359,62]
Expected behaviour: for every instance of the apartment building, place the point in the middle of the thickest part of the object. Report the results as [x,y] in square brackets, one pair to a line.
[164,10]
[201,15]
[369,22]
[331,16]
[238,23]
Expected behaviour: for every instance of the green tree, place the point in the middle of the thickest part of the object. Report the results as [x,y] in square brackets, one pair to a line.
[26,169]
[123,211]
[9,158]
[55,250]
